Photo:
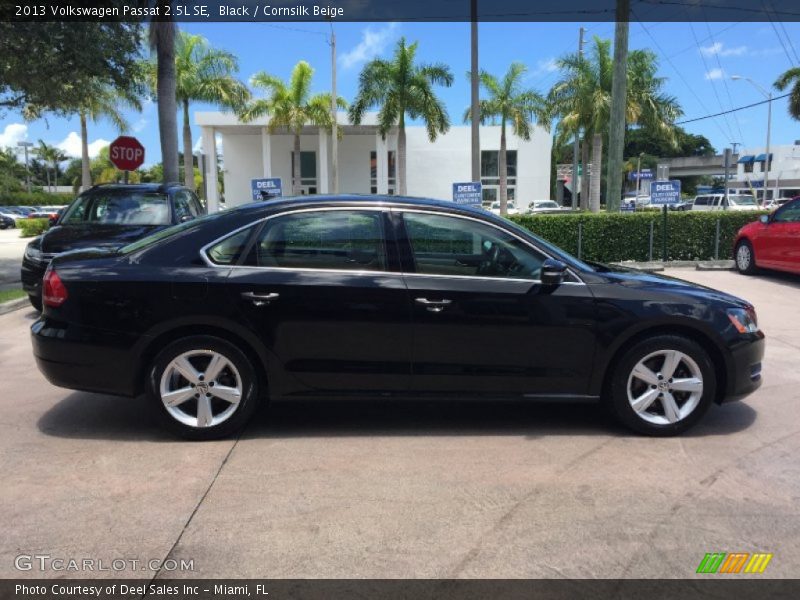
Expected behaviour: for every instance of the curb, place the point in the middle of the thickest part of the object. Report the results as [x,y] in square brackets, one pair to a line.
[700,265]
[12,305]
[716,265]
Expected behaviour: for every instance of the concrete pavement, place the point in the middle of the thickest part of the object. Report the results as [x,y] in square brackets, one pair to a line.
[354,489]
[12,247]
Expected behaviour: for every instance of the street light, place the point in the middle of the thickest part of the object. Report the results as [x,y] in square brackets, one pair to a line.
[768,96]
[26,145]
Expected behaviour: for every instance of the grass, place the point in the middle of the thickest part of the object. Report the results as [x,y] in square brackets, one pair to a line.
[8,295]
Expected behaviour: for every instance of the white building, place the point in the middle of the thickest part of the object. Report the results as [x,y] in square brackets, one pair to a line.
[367,161]
[783,177]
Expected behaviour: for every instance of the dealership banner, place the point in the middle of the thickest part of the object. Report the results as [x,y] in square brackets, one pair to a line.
[277,11]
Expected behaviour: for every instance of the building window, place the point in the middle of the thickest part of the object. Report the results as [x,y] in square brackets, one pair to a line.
[308,172]
[490,174]
[391,171]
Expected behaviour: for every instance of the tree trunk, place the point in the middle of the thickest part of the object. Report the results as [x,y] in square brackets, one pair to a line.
[46,170]
[55,175]
[597,159]
[401,156]
[86,173]
[584,198]
[297,183]
[167,105]
[503,168]
[188,158]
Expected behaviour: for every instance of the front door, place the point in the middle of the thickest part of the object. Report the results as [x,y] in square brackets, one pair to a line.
[781,238]
[322,292]
[483,323]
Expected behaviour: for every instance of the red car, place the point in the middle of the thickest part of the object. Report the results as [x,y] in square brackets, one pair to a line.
[772,242]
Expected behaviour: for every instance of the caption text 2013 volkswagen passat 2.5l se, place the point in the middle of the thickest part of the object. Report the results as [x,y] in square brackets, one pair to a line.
[383,297]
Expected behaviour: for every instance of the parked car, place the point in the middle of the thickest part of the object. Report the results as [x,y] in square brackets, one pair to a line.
[718,202]
[772,242]
[776,203]
[336,296]
[510,207]
[547,207]
[47,212]
[10,216]
[7,221]
[106,216]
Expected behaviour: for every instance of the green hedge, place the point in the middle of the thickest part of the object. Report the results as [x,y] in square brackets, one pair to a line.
[32,227]
[37,198]
[626,236]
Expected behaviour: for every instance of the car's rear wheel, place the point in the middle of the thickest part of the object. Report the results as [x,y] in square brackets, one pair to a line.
[36,302]
[745,258]
[663,385]
[203,388]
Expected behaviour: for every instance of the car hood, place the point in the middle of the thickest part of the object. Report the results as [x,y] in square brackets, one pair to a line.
[664,284]
[71,237]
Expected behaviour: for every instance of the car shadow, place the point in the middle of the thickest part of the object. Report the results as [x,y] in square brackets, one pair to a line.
[781,278]
[95,416]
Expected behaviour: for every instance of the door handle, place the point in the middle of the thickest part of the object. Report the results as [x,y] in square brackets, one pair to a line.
[434,305]
[259,299]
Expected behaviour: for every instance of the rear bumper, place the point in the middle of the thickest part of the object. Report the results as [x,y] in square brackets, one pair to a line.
[83,358]
[744,374]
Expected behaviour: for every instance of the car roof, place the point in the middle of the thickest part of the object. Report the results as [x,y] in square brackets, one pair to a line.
[134,187]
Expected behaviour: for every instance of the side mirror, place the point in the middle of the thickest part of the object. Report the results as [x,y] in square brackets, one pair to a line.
[764,219]
[185,218]
[553,272]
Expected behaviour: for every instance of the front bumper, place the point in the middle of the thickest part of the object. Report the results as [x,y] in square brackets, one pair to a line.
[32,274]
[744,371]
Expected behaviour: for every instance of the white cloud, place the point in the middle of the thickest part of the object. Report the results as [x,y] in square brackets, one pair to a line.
[71,145]
[547,65]
[373,42]
[715,74]
[13,133]
[719,49]
[139,125]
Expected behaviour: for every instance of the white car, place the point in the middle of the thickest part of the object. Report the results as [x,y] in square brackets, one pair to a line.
[511,207]
[546,206]
[718,202]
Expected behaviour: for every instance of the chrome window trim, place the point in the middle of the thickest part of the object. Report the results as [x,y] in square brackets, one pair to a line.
[390,209]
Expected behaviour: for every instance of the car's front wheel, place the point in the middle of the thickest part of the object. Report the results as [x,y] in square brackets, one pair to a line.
[203,388]
[662,385]
[745,258]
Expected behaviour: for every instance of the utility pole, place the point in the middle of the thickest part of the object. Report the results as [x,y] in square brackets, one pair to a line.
[474,94]
[616,127]
[334,116]
[734,144]
[576,148]
[27,145]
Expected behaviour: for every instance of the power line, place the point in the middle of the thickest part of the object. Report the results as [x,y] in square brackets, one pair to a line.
[712,81]
[734,109]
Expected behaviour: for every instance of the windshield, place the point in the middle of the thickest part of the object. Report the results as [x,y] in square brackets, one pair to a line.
[128,208]
[545,204]
[742,200]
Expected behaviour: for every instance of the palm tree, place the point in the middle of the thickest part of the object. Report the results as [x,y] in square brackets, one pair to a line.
[51,156]
[291,106]
[102,102]
[791,77]
[162,42]
[509,102]
[203,74]
[582,100]
[400,87]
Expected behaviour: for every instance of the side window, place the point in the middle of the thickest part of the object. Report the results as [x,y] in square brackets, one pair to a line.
[352,240]
[185,207]
[445,245]
[701,201]
[229,250]
[788,213]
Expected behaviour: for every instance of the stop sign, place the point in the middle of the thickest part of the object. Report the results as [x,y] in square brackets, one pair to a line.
[126,153]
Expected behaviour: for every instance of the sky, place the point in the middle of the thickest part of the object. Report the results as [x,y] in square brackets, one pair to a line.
[697,59]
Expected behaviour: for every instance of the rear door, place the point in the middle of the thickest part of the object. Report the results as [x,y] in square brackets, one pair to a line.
[483,323]
[323,290]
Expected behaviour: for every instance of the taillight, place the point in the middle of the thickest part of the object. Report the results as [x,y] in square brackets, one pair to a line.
[54,292]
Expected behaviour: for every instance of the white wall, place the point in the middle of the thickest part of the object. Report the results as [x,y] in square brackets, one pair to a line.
[242,162]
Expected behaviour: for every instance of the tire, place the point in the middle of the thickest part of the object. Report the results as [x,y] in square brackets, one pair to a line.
[180,369]
[36,302]
[639,378]
[745,258]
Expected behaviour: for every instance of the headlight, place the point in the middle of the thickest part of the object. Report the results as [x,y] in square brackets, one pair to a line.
[743,319]
[32,253]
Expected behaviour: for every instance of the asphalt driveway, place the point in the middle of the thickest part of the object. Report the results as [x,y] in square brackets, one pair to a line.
[427,490]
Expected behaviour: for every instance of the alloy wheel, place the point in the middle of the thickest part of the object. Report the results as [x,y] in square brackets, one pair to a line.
[743,257]
[201,388]
[665,387]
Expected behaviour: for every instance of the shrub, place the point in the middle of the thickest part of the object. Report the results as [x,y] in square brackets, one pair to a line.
[32,227]
[610,237]
[36,198]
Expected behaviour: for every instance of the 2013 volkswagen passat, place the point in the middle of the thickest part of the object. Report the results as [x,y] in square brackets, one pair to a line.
[383,297]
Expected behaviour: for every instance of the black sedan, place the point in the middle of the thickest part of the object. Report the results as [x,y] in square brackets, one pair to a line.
[106,216]
[383,297]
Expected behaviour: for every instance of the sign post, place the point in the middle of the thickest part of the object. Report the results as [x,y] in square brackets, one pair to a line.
[468,193]
[665,193]
[264,189]
[126,154]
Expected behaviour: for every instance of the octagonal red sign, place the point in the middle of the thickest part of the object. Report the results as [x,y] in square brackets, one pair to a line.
[126,153]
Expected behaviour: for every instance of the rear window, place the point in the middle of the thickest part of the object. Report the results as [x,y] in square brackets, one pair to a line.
[114,208]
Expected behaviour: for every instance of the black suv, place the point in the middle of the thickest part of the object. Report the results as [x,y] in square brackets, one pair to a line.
[107,216]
